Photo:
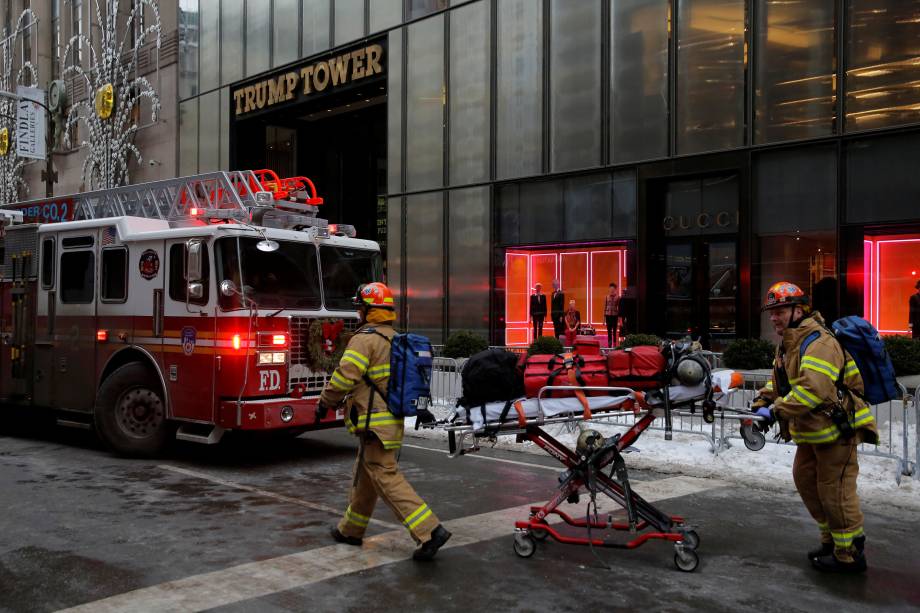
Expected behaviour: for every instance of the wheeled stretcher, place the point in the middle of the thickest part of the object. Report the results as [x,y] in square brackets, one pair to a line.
[526,419]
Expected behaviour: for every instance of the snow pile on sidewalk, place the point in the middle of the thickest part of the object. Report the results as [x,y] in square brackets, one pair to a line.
[768,469]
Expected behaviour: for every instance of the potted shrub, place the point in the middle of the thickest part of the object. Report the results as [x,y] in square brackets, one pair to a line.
[463,344]
[749,354]
[545,345]
[640,340]
[904,353]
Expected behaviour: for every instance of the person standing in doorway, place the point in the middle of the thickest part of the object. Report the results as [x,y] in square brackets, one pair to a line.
[572,323]
[914,315]
[612,314]
[538,310]
[558,309]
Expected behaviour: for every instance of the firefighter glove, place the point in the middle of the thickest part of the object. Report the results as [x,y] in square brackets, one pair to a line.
[769,418]
[424,417]
[321,411]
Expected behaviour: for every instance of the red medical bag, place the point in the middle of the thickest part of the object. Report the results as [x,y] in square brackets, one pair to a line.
[585,345]
[543,370]
[636,368]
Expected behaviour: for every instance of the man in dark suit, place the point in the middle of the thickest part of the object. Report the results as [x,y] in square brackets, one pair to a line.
[557,309]
[914,319]
[537,310]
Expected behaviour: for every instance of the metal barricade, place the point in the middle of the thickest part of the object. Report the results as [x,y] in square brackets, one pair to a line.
[894,421]
[445,382]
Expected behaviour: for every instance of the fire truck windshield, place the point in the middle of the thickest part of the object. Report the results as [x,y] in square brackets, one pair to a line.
[344,269]
[285,278]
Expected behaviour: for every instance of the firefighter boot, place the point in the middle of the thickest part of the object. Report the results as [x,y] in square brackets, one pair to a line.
[430,547]
[827,549]
[832,564]
[341,538]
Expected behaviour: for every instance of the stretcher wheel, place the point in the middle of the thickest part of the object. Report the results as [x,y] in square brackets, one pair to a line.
[709,416]
[691,540]
[753,439]
[524,545]
[539,533]
[686,560]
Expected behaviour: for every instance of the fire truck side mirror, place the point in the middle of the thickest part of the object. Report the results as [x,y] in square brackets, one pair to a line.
[193,272]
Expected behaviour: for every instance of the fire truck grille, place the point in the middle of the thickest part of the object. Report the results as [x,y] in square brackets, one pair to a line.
[300,375]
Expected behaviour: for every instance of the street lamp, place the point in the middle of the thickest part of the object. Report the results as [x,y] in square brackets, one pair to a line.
[49,175]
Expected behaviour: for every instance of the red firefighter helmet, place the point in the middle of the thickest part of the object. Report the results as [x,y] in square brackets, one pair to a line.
[784,294]
[374,295]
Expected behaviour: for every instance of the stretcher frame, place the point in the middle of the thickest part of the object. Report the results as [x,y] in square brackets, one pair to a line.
[645,521]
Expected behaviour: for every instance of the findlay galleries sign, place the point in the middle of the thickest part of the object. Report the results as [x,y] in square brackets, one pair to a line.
[315,77]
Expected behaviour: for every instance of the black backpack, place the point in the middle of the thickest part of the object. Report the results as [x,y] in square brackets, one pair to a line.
[491,376]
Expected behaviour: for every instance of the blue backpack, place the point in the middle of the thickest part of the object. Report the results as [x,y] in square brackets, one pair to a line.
[862,341]
[409,387]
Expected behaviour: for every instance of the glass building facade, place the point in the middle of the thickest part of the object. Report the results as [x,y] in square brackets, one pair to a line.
[714,146]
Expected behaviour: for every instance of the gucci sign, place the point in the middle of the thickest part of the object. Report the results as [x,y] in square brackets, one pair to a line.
[703,221]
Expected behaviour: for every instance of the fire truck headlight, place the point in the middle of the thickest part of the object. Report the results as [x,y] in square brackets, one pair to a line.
[279,357]
[287,413]
[265,358]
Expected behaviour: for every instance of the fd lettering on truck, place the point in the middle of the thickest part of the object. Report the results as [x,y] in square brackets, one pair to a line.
[181,308]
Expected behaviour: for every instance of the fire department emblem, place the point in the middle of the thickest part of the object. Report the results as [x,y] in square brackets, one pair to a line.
[188,340]
[149,264]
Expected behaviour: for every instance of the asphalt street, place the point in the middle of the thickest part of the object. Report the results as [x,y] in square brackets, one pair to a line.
[243,526]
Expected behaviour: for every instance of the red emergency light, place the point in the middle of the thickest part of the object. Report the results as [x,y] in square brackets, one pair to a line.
[279,340]
[236,342]
[102,335]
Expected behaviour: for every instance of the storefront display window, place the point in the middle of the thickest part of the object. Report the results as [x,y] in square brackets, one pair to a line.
[584,274]
[425,104]
[710,75]
[891,271]
[469,94]
[882,63]
[639,32]
[794,94]
[519,100]
[575,84]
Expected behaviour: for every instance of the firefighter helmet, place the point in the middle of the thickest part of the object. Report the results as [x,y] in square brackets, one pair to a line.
[690,371]
[374,295]
[784,294]
[589,441]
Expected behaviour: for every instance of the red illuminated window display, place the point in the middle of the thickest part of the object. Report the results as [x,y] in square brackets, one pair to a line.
[584,273]
[891,268]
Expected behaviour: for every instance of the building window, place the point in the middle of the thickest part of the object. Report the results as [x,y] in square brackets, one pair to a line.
[188,137]
[258,38]
[468,262]
[795,217]
[425,104]
[209,45]
[575,84]
[469,94]
[639,32]
[285,30]
[519,121]
[349,20]
[76,29]
[794,94]
[394,111]
[882,179]
[883,63]
[114,275]
[178,283]
[315,28]
[420,8]
[385,14]
[56,39]
[209,133]
[78,276]
[710,75]
[425,277]
[188,48]
[394,242]
[232,32]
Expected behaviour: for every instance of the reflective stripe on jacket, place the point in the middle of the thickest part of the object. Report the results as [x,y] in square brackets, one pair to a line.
[368,354]
[804,411]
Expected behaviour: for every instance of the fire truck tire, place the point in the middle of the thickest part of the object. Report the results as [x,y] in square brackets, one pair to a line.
[130,415]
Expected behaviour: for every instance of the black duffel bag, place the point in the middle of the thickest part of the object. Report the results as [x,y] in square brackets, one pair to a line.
[491,376]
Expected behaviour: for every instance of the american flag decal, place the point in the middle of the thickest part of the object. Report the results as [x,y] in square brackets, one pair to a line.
[108,236]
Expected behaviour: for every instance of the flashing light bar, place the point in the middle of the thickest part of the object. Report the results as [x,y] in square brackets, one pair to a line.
[102,335]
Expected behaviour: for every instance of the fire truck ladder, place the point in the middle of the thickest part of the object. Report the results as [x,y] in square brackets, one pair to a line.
[237,194]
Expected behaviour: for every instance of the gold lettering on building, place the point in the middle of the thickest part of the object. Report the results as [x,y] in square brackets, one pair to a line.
[306,80]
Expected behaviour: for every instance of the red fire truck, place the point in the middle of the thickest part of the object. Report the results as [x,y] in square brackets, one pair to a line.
[185,307]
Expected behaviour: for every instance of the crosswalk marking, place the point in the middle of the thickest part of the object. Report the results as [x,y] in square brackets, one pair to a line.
[257,579]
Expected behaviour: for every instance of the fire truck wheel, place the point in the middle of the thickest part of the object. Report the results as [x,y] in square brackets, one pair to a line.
[130,415]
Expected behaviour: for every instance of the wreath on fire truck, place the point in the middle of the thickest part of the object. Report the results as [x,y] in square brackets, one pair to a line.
[326,341]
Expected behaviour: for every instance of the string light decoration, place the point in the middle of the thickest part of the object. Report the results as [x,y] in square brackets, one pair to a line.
[12,183]
[114,90]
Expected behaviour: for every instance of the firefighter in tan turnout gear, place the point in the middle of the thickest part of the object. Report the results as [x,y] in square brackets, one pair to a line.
[815,395]
[367,360]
